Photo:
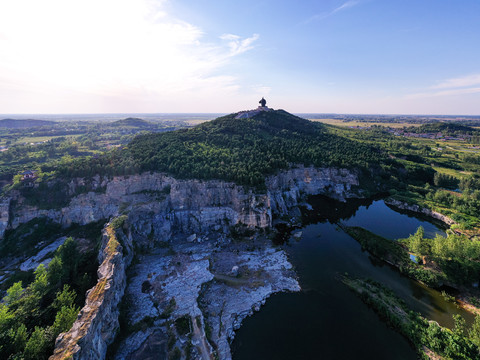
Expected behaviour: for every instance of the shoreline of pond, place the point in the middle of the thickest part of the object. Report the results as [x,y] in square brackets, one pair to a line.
[306,244]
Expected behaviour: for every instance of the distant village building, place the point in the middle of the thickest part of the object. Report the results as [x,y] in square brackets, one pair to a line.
[28,175]
[28,178]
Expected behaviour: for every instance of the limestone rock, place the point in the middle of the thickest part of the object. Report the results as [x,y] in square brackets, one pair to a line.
[97,322]
[4,214]
[418,209]
[188,206]
[33,262]
[182,275]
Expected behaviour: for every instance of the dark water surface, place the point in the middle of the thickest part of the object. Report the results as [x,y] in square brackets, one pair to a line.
[326,320]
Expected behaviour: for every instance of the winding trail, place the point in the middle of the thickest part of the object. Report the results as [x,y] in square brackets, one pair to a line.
[200,338]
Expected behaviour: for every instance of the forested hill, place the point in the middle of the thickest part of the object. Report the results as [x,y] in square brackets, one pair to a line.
[239,150]
[24,123]
[446,128]
[134,122]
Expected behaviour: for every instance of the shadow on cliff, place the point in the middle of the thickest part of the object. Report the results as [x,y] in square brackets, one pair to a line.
[323,209]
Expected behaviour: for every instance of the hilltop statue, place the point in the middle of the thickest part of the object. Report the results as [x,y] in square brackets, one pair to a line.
[247,114]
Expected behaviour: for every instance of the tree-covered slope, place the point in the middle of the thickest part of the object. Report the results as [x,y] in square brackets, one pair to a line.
[24,123]
[246,150]
[239,150]
[133,122]
[446,128]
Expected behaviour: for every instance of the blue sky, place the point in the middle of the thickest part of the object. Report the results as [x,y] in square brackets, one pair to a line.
[354,56]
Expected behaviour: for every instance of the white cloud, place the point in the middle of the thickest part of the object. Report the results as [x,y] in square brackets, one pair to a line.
[346,5]
[237,45]
[464,81]
[90,55]
[469,84]
[449,92]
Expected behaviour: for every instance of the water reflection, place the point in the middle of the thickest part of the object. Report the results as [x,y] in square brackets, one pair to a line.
[326,320]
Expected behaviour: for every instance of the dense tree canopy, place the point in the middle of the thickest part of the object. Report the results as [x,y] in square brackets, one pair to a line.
[31,317]
[240,150]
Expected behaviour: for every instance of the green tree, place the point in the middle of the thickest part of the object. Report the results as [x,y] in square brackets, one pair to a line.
[6,321]
[64,319]
[69,256]
[40,284]
[459,329]
[38,345]
[56,272]
[446,181]
[6,316]
[64,298]
[419,245]
[474,332]
[20,338]
[13,293]
[439,248]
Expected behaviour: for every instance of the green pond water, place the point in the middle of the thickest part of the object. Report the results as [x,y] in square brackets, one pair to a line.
[326,320]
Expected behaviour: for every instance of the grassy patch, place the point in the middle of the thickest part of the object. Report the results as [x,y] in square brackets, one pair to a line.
[378,246]
[428,338]
[452,172]
[118,222]
[98,291]
[395,254]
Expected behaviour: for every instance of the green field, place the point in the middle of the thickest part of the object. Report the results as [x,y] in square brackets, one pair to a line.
[338,122]
[459,174]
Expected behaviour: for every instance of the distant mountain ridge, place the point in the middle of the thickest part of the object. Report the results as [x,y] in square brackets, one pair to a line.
[24,123]
[445,128]
[135,122]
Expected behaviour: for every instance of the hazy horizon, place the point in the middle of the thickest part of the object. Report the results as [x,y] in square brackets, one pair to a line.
[336,56]
[231,112]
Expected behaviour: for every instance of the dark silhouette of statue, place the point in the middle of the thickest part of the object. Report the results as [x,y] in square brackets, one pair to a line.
[263,102]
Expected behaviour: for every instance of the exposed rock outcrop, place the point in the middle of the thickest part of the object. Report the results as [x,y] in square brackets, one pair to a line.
[227,301]
[97,322]
[289,188]
[195,281]
[187,206]
[4,214]
[187,278]
[418,209]
[191,205]
[41,257]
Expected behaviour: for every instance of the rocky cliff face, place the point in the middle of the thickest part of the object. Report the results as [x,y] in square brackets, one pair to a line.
[212,286]
[4,214]
[162,205]
[97,322]
[289,188]
[420,210]
[158,208]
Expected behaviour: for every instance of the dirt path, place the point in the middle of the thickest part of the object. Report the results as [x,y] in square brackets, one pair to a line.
[200,338]
[231,280]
